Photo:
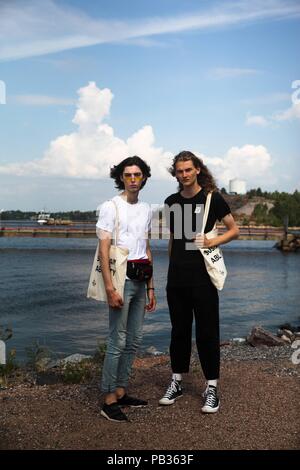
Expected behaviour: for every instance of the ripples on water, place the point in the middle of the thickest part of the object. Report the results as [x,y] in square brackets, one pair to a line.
[44,281]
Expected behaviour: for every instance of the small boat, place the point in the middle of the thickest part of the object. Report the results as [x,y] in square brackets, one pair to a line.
[43,218]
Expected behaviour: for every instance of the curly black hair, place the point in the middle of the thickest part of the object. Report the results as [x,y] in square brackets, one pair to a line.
[117,170]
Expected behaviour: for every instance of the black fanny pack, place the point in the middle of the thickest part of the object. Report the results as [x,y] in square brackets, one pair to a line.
[139,270]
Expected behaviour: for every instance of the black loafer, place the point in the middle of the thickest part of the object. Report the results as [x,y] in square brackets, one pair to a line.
[126,400]
[113,412]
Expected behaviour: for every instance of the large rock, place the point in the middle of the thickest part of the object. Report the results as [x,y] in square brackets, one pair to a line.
[286,339]
[73,359]
[153,351]
[260,337]
[238,340]
[289,334]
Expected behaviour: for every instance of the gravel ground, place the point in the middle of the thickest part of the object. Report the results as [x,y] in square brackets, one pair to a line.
[259,391]
[244,352]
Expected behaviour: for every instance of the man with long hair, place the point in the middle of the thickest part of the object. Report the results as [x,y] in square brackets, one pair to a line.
[126,314]
[190,292]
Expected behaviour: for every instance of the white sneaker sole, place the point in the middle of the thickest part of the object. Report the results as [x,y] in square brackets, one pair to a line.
[111,419]
[208,409]
[165,401]
[133,406]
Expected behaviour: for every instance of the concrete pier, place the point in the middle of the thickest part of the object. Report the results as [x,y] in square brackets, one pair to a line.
[158,232]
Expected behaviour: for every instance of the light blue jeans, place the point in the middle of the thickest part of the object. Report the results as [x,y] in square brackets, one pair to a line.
[125,336]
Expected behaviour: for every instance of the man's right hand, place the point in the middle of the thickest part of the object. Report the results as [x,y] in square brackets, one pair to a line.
[114,299]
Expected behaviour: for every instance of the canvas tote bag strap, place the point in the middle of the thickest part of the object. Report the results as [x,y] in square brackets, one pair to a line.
[206,211]
[116,234]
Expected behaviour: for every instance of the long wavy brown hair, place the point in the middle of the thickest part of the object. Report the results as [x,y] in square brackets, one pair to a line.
[205,178]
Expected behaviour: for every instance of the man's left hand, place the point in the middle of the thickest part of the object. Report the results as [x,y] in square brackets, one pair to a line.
[202,242]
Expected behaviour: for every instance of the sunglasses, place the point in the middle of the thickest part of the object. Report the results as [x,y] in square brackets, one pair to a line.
[135,176]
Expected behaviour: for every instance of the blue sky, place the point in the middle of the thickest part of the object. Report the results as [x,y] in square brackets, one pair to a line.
[89,83]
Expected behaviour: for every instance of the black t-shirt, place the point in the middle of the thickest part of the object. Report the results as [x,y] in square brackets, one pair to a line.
[184,218]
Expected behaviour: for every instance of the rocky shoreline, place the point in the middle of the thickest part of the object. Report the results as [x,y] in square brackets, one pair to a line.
[260,344]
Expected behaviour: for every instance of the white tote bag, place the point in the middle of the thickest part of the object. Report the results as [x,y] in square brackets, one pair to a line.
[213,257]
[117,263]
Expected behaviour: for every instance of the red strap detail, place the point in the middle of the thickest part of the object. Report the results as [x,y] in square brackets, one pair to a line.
[143,261]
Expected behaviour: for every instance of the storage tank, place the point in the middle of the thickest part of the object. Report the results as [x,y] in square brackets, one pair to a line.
[237,186]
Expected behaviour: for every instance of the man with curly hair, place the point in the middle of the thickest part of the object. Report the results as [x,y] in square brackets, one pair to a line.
[190,292]
[126,314]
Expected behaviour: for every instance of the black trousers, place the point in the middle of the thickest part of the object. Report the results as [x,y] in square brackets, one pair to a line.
[203,303]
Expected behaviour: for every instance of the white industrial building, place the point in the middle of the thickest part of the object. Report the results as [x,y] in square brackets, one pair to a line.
[237,186]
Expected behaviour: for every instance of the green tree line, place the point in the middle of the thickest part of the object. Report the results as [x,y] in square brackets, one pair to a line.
[75,216]
[285,205]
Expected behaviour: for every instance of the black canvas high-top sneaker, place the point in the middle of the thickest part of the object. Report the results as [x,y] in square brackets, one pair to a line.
[212,402]
[173,392]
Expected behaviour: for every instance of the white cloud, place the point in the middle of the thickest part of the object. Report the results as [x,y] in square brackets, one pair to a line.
[227,72]
[257,121]
[289,114]
[145,42]
[93,105]
[252,163]
[31,28]
[92,149]
[40,100]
